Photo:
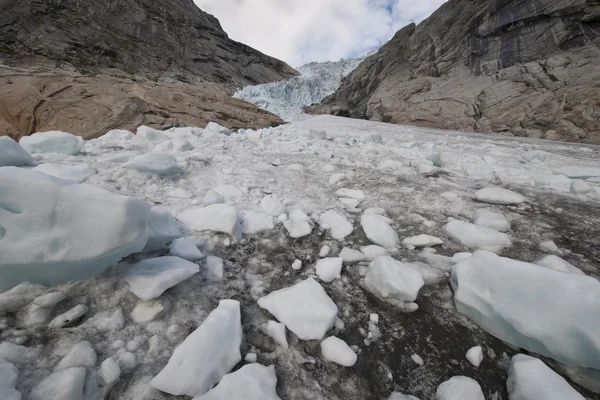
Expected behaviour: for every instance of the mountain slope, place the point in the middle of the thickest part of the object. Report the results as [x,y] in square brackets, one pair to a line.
[522,68]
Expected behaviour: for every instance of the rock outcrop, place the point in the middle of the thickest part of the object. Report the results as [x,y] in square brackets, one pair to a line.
[526,68]
[85,67]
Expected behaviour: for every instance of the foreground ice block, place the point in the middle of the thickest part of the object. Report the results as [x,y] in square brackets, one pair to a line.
[541,310]
[476,237]
[52,142]
[215,217]
[388,278]
[12,154]
[496,195]
[378,231]
[53,231]
[205,356]
[251,382]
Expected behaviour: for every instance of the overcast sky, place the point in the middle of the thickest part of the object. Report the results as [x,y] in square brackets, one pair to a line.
[301,31]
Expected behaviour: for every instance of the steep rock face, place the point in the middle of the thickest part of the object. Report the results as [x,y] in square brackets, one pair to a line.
[527,68]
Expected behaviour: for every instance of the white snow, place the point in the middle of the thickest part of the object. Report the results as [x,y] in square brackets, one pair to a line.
[52,142]
[339,226]
[77,173]
[422,240]
[475,356]
[329,269]
[215,217]
[277,331]
[253,222]
[298,224]
[496,195]
[351,256]
[206,355]
[378,231]
[149,278]
[12,154]
[185,249]
[62,385]
[476,237]
[530,379]
[338,351]
[459,388]
[558,264]
[491,219]
[304,308]
[530,306]
[153,163]
[388,278]
[574,172]
[82,354]
[251,382]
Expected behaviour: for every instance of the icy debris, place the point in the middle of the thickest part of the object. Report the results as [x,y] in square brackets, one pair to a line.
[298,224]
[215,217]
[375,210]
[351,194]
[550,247]
[149,278]
[230,193]
[185,249]
[277,331]
[82,354]
[491,219]
[253,222]
[12,154]
[206,355]
[297,265]
[422,241]
[378,231]
[108,321]
[558,264]
[374,318]
[147,311]
[91,227]
[52,142]
[401,396]
[388,278]
[329,269]
[251,358]
[153,163]
[350,204]
[476,237]
[145,134]
[338,225]
[271,205]
[530,379]
[162,228]
[337,177]
[539,155]
[459,388]
[212,197]
[450,196]
[8,376]
[530,306]
[62,385]
[179,194]
[317,134]
[110,372]
[127,361]
[117,157]
[580,187]
[324,252]
[176,145]
[496,195]
[372,252]
[351,256]
[215,266]
[49,300]
[117,134]
[69,318]
[304,308]
[575,172]
[213,127]
[251,382]
[430,275]
[77,173]
[337,351]
[458,257]
[417,359]
[475,356]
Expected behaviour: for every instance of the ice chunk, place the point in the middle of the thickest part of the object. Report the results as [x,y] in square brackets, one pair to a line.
[417,359]
[185,249]
[213,127]
[49,300]
[491,219]
[109,321]
[558,264]
[400,396]
[206,355]
[550,247]
[177,144]
[475,356]
[149,278]
[70,317]
[317,134]
[530,306]
[146,311]
[372,252]
[304,308]
[535,155]
[212,197]
[378,231]
[215,217]
[430,275]
[145,134]
[458,257]
[179,194]
[339,226]
[422,241]
[388,278]
[62,385]
[162,228]
[351,256]
[251,382]
[117,134]
[77,173]
[580,187]
[496,195]
[215,266]
[298,224]
[325,250]
[337,351]
[81,355]
[52,142]
[576,172]
[272,205]
[459,388]
[12,154]
[253,222]
[110,372]
[230,193]
[476,237]
[530,379]
[117,157]
[351,194]
[277,331]
[329,269]
[153,163]
[8,374]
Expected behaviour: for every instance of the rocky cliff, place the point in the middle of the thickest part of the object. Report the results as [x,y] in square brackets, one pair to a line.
[67,63]
[527,68]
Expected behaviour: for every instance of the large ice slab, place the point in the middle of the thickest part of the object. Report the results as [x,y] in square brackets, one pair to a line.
[304,308]
[153,163]
[251,382]
[491,219]
[496,195]
[53,231]
[205,356]
[12,154]
[77,173]
[476,237]
[215,217]
[388,278]
[533,307]
[255,222]
[52,142]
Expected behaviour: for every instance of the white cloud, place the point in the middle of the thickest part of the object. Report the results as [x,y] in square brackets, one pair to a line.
[301,31]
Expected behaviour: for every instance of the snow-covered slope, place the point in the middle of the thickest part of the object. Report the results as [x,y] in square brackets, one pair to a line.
[266,217]
[287,98]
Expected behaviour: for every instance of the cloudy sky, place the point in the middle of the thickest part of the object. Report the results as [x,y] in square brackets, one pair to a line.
[301,31]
